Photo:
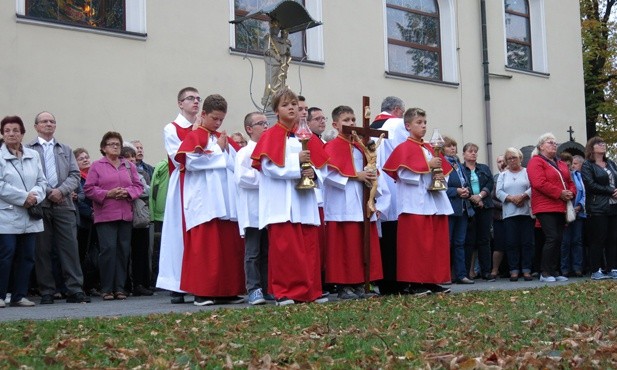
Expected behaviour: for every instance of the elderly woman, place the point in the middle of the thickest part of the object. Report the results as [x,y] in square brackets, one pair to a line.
[551,188]
[600,178]
[22,185]
[514,191]
[479,230]
[113,184]
[458,194]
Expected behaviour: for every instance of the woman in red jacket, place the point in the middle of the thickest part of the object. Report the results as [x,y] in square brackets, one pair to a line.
[551,188]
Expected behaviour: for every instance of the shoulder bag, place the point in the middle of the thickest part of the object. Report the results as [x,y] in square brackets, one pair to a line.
[141,211]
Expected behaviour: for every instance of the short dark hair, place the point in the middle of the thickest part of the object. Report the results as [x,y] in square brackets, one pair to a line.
[301,98]
[283,94]
[566,157]
[128,151]
[310,112]
[448,141]
[185,90]
[214,102]
[78,151]
[336,112]
[412,113]
[13,119]
[470,145]
[589,148]
[110,135]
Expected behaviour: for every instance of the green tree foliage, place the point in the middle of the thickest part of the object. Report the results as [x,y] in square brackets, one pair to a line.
[600,67]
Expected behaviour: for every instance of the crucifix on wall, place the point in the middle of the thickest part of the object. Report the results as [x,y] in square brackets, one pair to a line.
[285,18]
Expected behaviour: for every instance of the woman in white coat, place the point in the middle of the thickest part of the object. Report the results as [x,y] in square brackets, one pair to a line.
[22,185]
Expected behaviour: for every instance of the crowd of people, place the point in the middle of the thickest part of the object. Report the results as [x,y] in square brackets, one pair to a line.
[223,218]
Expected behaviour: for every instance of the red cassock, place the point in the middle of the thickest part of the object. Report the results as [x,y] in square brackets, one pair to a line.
[345,245]
[423,242]
[294,255]
[213,260]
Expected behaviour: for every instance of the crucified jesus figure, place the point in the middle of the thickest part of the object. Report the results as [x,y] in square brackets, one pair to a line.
[370,152]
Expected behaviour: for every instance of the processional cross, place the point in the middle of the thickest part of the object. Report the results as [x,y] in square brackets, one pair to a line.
[365,132]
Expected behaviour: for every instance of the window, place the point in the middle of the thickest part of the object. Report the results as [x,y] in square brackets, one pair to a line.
[251,34]
[518,34]
[414,40]
[106,15]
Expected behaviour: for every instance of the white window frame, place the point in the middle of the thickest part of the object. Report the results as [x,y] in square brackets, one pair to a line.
[447,33]
[314,36]
[537,27]
[135,19]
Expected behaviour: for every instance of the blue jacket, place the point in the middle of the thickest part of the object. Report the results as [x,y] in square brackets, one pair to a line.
[454,182]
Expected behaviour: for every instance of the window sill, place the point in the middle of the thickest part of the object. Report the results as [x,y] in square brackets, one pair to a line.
[310,63]
[528,72]
[65,26]
[399,76]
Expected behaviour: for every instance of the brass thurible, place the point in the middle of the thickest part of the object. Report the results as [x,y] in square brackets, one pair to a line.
[437,144]
[303,133]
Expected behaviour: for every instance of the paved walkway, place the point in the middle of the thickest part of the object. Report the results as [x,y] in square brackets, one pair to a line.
[159,303]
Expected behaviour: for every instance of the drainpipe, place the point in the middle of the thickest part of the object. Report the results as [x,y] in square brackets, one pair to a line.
[487,88]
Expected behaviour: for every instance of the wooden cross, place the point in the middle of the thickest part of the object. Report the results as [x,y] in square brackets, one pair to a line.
[366,133]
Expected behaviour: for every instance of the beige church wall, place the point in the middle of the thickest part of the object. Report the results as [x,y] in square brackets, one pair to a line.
[95,83]
[526,105]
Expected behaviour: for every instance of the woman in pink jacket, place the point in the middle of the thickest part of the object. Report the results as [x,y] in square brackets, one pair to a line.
[113,184]
[551,188]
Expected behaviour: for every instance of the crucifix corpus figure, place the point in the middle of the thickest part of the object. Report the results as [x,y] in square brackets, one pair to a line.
[370,153]
[363,136]
[277,59]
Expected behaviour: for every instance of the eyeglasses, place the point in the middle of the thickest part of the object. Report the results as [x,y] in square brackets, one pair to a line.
[191,98]
[319,119]
[115,145]
[511,158]
[602,143]
[551,142]
[83,158]
[261,123]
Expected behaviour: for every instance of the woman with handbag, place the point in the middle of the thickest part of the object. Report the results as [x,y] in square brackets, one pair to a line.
[551,192]
[113,184]
[600,179]
[22,188]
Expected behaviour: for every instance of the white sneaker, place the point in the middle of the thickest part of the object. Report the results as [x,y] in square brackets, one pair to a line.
[2,304]
[599,275]
[24,302]
[547,279]
[561,278]
[7,300]
[613,274]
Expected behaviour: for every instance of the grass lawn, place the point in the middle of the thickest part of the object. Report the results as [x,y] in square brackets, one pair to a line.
[571,326]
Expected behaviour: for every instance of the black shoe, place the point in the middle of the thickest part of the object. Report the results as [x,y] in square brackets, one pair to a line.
[47,299]
[177,298]
[140,290]
[78,298]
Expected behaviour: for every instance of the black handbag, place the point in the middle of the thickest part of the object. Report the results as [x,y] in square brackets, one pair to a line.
[36,211]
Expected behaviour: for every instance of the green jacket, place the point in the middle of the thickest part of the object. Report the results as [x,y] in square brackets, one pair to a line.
[158,190]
